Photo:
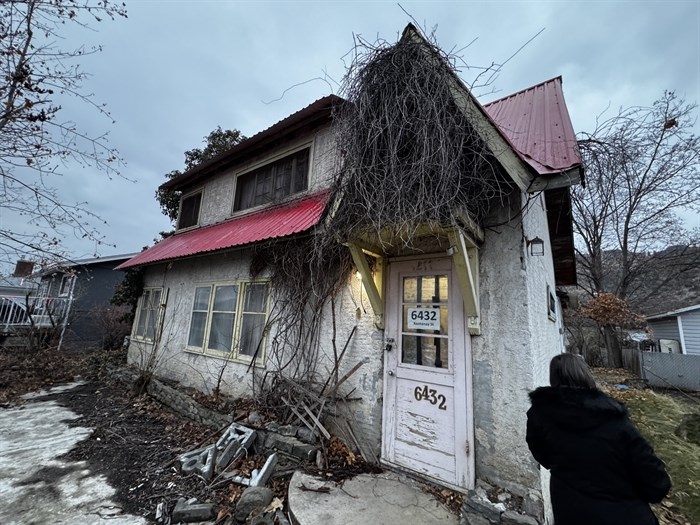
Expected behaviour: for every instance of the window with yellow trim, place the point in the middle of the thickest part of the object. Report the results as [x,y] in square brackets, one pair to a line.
[228,320]
[148,315]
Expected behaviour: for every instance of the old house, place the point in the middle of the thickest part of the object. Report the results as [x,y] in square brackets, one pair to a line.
[435,326]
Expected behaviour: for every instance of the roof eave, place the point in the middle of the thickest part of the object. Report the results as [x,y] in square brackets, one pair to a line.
[317,114]
[562,179]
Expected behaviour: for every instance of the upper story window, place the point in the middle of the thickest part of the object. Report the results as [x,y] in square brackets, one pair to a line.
[189,211]
[273,181]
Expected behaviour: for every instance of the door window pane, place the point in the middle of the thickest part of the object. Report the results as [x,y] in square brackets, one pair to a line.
[425,321]
[425,351]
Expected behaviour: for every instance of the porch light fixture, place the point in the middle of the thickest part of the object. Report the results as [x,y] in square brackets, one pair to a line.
[536,246]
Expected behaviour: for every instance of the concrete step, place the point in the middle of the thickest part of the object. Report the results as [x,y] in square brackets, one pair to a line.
[376,499]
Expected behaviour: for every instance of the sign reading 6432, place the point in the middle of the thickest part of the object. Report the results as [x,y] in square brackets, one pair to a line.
[423,393]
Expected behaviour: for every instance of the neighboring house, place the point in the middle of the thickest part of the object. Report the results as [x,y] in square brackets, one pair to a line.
[449,334]
[16,292]
[74,293]
[677,331]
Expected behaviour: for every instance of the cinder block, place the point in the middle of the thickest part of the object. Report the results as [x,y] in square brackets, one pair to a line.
[260,480]
[190,510]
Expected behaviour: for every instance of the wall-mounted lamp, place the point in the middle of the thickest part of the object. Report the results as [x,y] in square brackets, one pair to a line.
[536,246]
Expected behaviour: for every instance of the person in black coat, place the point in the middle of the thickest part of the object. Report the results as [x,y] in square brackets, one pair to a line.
[603,472]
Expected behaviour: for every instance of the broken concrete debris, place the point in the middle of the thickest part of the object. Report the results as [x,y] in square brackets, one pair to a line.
[478,509]
[258,478]
[189,510]
[252,499]
[233,444]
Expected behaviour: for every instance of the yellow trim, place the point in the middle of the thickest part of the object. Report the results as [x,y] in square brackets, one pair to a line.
[465,257]
[233,355]
[371,282]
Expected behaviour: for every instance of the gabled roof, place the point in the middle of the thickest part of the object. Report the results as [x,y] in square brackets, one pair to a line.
[537,123]
[497,135]
[281,221]
[315,114]
[674,313]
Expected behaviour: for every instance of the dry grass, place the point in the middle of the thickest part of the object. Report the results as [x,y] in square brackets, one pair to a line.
[658,415]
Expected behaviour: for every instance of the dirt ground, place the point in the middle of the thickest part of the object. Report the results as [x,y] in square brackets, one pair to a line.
[135,441]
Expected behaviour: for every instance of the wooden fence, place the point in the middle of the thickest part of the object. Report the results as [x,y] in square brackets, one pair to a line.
[664,370]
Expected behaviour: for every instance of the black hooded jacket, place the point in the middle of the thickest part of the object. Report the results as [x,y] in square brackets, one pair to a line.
[603,471]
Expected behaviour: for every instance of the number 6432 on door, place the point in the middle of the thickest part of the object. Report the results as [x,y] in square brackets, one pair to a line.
[423,393]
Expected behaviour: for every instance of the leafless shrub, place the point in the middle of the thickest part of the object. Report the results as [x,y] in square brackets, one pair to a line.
[113,325]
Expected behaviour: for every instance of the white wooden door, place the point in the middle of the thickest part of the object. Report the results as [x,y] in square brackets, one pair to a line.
[427,423]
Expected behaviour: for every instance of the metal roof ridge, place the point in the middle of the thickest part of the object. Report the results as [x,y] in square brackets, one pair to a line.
[521,91]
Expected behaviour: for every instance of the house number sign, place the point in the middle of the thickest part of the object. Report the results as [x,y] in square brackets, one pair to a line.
[424,318]
[423,393]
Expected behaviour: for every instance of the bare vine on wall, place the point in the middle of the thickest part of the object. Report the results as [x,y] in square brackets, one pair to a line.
[406,159]
[407,155]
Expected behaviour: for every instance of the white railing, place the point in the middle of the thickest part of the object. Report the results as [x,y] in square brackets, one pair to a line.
[19,311]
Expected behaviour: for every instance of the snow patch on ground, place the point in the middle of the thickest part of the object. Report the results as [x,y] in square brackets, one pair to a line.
[35,486]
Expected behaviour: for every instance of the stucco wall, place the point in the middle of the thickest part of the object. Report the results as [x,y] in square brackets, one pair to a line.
[217,198]
[518,339]
[202,371]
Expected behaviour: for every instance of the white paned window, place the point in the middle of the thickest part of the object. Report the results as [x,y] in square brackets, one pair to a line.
[66,281]
[228,320]
[148,314]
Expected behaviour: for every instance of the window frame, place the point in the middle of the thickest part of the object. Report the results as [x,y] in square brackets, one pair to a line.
[551,304]
[234,354]
[235,205]
[157,311]
[183,198]
[64,287]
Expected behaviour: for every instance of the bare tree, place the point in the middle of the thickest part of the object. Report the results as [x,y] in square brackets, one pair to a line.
[642,168]
[35,141]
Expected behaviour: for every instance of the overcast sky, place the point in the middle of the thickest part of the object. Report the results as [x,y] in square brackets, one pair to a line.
[174,70]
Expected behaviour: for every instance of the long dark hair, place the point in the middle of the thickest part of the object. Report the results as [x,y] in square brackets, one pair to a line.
[570,370]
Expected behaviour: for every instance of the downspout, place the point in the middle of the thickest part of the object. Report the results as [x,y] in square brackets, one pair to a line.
[68,309]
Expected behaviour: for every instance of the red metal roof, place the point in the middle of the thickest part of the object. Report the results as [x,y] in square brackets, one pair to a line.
[537,123]
[280,221]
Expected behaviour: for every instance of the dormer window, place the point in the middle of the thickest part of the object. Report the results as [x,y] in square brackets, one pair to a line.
[189,211]
[273,182]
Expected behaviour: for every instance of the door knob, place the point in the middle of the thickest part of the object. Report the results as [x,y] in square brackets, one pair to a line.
[390,373]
